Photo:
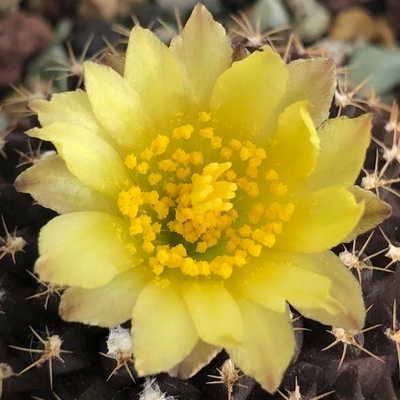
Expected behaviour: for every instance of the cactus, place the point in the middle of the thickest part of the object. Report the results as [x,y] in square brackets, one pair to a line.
[71,360]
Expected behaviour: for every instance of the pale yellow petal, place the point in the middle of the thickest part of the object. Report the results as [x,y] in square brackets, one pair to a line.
[375,211]
[51,184]
[90,158]
[70,107]
[245,95]
[214,312]
[271,283]
[154,74]
[267,347]
[320,221]
[344,289]
[312,79]
[293,150]
[203,52]
[163,331]
[107,305]
[115,104]
[343,143]
[82,249]
[200,356]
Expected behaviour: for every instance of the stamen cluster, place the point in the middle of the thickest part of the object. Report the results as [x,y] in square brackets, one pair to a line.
[194,199]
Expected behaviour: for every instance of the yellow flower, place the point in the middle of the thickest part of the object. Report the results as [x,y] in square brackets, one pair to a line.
[199,196]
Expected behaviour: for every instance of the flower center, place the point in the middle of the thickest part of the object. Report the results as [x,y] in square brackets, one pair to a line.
[208,194]
[201,207]
[202,212]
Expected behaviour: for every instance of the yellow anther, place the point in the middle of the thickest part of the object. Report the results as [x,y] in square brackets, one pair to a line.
[230,246]
[156,227]
[255,213]
[201,247]
[159,144]
[172,189]
[135,227]
[180,250]
[183,132]
[146,154]
[278,188]
[167,165]
[222,266]
[204,117]
[226,153]
[216,142]
[271,175]
[136,194]
[260,154]
[123,202]
[207,133]
[267,239]
[251,247]
[156,268]
[251,188]
[276,227]
[235,144]
[240,257]
[130,161]
[154,178]
[249,144]
[142,168]
[196,158]
[204,268]
[162,254]
[162,207]
[245,153]
[182,173]
[129,202]
[286,212]
[181,156]
[189,267]
[150,197]
[252,172]
[245,231]
[148,247]
[273,210]
[230,175]
[272,227]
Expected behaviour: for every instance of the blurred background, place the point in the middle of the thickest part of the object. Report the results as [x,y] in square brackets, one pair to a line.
[44,42]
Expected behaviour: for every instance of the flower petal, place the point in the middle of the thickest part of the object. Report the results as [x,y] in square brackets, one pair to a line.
[148,60]
[163,332]
[343,143]
[203,51]
[235,101]
[267,346]
[320,221]
[271,284]
[70,107]
[82,249]
[312,79]
[115,104]
[294,148]
[375,211]
[87,156]
[107,305]
[200,356]
[51,184]
[214,312]
[344,289]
